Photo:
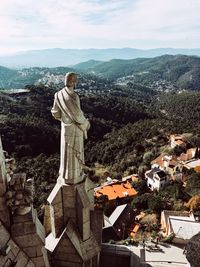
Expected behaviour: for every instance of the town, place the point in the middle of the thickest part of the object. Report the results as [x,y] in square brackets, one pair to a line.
[153,211]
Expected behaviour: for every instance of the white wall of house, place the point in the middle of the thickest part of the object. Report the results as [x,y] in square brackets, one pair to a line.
[156,183]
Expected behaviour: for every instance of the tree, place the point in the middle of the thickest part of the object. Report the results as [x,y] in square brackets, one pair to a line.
[194,203]
[150,221]
[193,184]
[155,203]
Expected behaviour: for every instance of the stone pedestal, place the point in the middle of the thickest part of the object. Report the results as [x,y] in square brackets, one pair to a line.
[75,238]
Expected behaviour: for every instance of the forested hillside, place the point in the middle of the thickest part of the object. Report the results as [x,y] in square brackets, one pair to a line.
[130,125]
[125,135]
[181,70]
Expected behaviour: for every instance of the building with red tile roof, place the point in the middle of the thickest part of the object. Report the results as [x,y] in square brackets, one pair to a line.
[116,190]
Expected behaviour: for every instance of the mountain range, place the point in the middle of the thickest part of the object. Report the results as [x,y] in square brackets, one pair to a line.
[65,57]
[180,71]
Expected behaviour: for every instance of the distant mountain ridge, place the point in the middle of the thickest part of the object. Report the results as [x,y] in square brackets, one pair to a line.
[180,71]
[64,57]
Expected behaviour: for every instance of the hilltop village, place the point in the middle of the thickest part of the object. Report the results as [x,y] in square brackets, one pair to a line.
[156,207]
[140,142]
[134,219]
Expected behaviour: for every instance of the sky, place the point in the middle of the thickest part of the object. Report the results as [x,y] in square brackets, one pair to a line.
[144,24]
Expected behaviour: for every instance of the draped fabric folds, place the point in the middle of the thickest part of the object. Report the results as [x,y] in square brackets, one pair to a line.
[74,126]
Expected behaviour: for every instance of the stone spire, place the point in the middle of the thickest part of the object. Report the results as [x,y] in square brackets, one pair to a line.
[22,236]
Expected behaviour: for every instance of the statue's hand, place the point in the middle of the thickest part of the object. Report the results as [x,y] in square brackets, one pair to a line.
[87,125]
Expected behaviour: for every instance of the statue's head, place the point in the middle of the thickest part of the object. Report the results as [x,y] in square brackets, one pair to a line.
[71,79]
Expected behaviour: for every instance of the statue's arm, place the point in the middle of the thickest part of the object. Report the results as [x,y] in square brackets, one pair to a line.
[55,111]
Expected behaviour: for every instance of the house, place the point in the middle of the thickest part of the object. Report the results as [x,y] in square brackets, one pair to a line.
[117,225]
[181,224]
[170,165]
[190,154]
[114,194]
[156,179]
[193,164]
[176,140]
[131,178]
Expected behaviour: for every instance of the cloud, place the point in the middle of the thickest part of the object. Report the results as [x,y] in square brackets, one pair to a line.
[99,23]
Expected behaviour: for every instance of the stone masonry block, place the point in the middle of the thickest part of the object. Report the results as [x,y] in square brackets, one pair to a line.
[29,227]
[39,261]
[69,213]
[85,215]
[45,257]
[22,218]
[14,248]
[31,251]
[55,196]
[29,240]
[57,223]
[86,230]
[17,229]
[31,264]
[2,203]
[2,187]
[4,235]
[69,202]
[21,260]
[68,191]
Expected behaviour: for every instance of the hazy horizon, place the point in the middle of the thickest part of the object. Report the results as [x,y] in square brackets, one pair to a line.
[83,24]
[94,48]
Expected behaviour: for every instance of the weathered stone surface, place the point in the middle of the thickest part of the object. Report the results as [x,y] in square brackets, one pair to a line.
[45,257]
[89,188]
[4,217]
[29,227]
[47,219]
[83,195]
[39,251]
[2,186]
[73,131]
[58,263]
[68,191]
[39,261]
[96,220]
[86,230]
[29,240]
[22,218]
[69,213]
[31,251]
[2,203]
[14,248]
[30,264]
[4,235]
[57,224]
[2,171]
[21,260]
[83,213]
[55,195]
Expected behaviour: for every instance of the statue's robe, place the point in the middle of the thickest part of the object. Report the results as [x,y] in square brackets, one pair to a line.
[74,126]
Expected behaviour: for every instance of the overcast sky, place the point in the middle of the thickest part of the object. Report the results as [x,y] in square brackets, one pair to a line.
[40,24]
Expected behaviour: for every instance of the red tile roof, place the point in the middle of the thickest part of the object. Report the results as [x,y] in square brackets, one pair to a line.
[117,190]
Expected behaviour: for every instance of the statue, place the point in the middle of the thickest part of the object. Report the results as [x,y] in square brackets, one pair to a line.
[74,127]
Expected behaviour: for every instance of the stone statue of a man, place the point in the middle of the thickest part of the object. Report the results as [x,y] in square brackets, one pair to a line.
[74,127]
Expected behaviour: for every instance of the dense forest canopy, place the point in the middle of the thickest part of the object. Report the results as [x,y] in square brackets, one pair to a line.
[130,122]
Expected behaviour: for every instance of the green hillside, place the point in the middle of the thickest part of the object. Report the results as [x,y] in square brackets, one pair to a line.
[20,78]
[181,70]
[6,77]
[87,65]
